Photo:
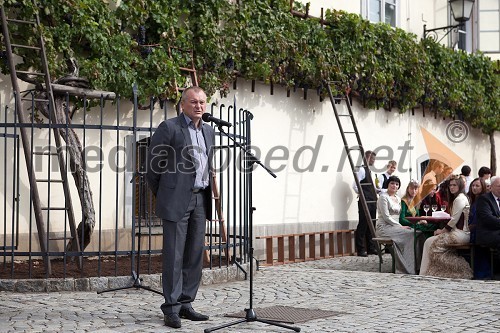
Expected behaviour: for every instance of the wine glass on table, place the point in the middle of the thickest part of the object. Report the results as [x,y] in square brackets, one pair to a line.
[443,208]
[426,209]
[434,208]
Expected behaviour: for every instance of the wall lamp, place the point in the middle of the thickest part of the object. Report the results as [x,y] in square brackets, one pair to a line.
[461,10]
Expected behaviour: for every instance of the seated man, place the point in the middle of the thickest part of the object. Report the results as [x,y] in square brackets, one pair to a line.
[485,174]
[488,217]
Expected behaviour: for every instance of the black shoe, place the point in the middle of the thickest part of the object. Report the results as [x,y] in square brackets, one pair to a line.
[362,254]
[192,315]
[172,320]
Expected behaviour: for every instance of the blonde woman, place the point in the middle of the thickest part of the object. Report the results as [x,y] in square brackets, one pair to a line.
[410,208]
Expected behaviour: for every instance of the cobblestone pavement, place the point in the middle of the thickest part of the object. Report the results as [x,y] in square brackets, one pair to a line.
[366,301]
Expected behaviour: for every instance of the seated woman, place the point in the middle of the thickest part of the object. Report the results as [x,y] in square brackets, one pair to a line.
[481,254]
[388,208]
[438,259]
[410,207]
[442,195]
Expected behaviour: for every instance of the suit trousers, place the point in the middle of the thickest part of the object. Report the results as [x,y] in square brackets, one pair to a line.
[183,243]
[363,235]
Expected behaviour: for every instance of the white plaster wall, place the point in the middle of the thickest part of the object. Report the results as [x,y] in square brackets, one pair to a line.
[324,194]
[435,15]
[412,15]
[297,200]
[293,198]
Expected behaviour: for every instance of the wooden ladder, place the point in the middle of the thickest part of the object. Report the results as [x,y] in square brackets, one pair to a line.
[219,230]
[189,71]
[352,142]
[43,227]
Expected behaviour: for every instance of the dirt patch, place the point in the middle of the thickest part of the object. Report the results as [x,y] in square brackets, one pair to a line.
[91,267]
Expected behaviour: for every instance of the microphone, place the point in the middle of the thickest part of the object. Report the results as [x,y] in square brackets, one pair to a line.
[219,122]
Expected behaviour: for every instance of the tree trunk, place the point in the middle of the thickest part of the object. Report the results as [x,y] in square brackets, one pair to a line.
[77,167]
[493,154]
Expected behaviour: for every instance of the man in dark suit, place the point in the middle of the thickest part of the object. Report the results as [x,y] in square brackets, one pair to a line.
[488,216]
[363,240]
[178,173]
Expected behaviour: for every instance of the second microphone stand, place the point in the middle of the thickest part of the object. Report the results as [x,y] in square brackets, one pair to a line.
[250,315]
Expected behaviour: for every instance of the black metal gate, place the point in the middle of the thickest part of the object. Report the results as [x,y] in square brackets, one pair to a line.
[115,140]
[9,182]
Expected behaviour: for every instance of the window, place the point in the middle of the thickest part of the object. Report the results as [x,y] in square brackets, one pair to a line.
[390,12]
[381,11]
[489,26]
[462,39]
[145,201]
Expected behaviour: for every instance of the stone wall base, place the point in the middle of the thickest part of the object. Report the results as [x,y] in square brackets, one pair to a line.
[96,284]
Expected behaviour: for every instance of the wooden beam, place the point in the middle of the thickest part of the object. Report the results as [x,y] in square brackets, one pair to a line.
[90,93]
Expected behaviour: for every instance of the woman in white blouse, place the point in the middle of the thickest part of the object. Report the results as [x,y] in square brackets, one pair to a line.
[438,259]
[388,208]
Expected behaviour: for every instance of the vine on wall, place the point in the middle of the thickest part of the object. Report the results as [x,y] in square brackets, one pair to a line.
[261,40]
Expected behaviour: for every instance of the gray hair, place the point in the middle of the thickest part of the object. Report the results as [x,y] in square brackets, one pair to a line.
[185,91]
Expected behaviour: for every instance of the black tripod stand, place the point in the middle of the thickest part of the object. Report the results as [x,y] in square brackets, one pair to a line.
[250,312]
[136,273]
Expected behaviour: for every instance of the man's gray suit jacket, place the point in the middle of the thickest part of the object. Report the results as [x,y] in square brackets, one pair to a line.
[170,170]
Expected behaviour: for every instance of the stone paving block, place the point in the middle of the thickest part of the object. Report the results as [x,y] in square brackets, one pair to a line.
[206,278]
[60,285]
[82,284]
[120,282]
[220,275]
[98,283]
[152,281]
[7,285]
[232,273]
[31,285]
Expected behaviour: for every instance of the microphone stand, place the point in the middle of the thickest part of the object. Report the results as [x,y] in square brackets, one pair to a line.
[250,312]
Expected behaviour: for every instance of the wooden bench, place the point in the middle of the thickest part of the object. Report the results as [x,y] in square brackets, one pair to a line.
[327,241]
[472,250]
[467,247]
[388,244]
